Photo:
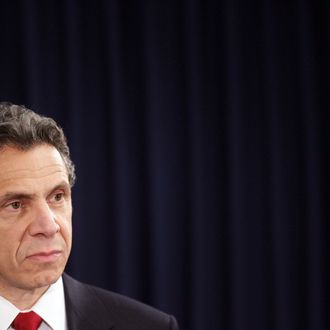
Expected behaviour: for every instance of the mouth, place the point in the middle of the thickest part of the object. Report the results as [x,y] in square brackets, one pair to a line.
[45,256]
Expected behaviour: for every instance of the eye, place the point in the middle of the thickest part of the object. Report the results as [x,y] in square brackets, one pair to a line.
[58,197]
[15,205]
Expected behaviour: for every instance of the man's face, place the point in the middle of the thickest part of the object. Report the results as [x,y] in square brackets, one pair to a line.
[35,218]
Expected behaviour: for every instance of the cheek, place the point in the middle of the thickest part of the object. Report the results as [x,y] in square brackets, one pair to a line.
[11,236]
[66,227]
[67,233]
[10,244]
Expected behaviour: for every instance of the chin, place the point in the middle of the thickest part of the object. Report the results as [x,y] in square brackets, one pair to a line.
[45,278]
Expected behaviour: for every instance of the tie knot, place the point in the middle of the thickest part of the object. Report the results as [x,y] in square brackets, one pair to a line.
[27,321]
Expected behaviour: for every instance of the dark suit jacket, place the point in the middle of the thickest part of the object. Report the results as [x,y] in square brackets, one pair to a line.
[92,308]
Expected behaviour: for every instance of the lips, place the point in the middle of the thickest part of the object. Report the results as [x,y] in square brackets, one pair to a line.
[45,256]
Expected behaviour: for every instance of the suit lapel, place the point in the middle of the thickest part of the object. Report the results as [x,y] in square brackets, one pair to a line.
[84,310]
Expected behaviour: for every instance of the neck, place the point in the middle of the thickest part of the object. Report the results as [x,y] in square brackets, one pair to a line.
[23,299]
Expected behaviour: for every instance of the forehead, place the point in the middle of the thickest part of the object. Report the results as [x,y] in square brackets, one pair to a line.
[39,162]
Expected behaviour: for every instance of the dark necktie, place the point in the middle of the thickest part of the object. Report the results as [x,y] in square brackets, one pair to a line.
[27,321]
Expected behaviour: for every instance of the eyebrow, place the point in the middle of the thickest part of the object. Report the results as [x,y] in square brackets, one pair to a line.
[62,185]
[21,195]
[15,195]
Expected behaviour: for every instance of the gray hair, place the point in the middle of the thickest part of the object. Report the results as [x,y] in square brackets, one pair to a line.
[23,129]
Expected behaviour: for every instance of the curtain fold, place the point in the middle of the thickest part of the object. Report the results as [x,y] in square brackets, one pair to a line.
[200,133]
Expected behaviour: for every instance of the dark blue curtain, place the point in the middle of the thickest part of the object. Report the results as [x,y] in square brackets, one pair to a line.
[200,132]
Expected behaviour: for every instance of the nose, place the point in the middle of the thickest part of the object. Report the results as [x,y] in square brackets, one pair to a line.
[43,221]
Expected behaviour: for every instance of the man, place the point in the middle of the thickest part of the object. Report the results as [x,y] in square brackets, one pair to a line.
[36,176]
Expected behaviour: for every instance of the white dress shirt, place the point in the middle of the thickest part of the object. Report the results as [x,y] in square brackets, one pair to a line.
[50,307]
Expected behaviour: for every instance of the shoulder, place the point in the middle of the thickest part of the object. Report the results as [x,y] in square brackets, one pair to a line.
[124,312]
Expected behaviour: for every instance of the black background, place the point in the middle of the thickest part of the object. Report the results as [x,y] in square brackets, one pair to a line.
[200,133]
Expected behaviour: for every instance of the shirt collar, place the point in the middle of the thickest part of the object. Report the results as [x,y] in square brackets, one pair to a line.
[51,307]
[8,313]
